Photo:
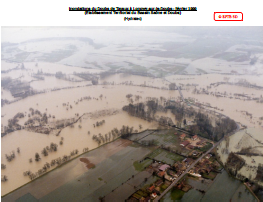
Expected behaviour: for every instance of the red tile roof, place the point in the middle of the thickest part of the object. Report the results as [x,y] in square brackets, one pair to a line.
[151,188]
[161,173]
[185,143]
[191,146]
[182,136]
[195,136]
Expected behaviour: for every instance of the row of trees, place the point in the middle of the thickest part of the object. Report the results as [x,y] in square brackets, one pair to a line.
[124,132]
[99,123]
[55,162]
[51,148]
[107,137]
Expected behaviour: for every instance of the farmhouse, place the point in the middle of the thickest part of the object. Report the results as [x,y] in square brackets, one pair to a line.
[150,189]
[164,167]
[195,137]
[191,146]
[185,143]
[161,173]
[154,195]
[182,136]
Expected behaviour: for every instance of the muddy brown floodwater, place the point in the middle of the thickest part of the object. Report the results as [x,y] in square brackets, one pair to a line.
[113,98]
[74,138]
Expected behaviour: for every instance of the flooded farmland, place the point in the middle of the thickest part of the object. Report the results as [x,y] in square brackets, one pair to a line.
[101,180]
[223,188]
[114,97]
[242,140]
[72,91]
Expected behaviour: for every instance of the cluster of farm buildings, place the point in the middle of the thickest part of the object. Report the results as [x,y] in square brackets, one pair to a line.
[191,143]
[167,173]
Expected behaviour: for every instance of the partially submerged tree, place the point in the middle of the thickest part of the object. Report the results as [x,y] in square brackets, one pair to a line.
[3,166]
[44,152]
[4,178]
[37,157]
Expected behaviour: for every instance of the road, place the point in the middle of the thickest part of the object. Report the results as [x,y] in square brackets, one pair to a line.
[185,172]
[178,88]
[193,164]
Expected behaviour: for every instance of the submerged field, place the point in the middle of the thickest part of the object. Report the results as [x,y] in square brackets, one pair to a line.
[113,166]
[223,188]
[239,141]
[74,138]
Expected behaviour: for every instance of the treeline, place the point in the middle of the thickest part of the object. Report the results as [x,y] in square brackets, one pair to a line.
[146,110]
[13,123]
[234,163]
[259,175]
[125,132]
[203,126]
[55,162]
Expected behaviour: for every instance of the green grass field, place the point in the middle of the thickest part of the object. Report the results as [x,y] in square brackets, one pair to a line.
[165,156]
[210,176]
[141,166]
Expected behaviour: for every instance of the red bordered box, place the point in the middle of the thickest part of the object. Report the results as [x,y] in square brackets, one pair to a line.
[239,14]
